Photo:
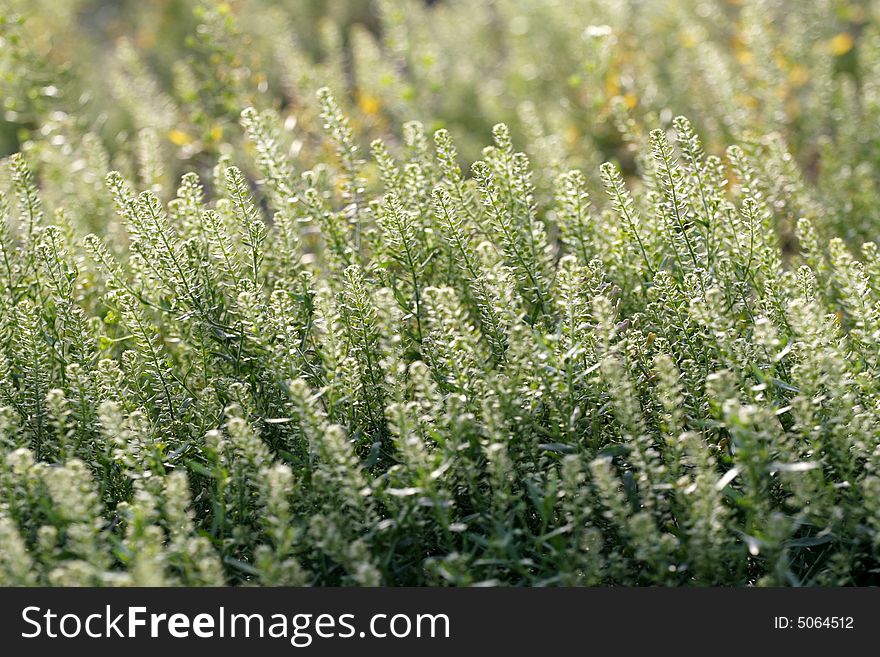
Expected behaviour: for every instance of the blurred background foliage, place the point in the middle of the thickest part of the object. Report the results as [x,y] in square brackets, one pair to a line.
[582,82]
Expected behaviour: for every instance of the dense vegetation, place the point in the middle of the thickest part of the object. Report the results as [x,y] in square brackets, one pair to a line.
[271,314]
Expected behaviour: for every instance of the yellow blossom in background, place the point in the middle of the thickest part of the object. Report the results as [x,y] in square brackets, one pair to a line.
[179,137]
[841,44]
[687,39]
[745,57]
[612,84]
[799,76]
[747,101]
[369,104]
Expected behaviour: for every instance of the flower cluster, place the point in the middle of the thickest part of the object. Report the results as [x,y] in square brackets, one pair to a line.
[336,354]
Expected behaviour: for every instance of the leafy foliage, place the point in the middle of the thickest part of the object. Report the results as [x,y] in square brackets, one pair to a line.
[318,363]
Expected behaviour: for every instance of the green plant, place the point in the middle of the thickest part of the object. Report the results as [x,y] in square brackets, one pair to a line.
[316,363]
